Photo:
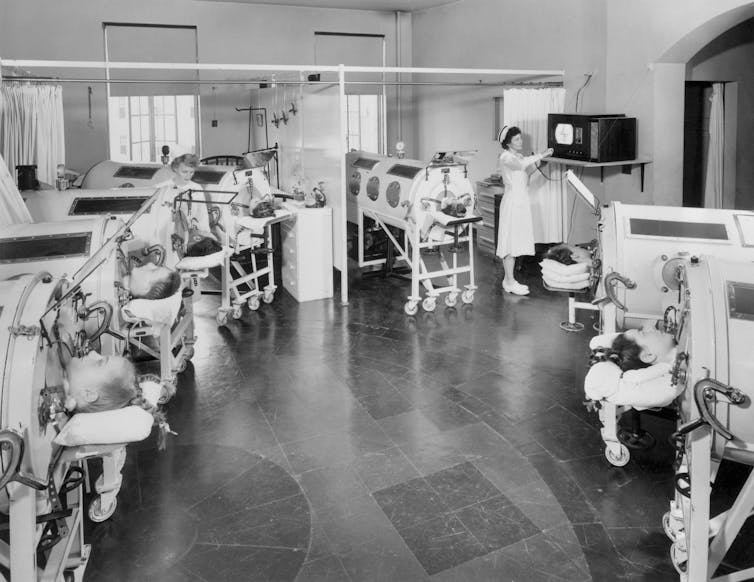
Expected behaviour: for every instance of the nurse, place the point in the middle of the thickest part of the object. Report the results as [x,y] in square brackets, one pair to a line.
[515,228]
[173,230]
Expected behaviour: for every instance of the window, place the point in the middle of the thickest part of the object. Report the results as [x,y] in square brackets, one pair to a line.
[364,122]
[149,122]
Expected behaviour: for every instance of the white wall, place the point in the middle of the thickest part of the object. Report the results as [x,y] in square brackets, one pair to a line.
[620,41]
[638,50]
[228,32]
[539,34]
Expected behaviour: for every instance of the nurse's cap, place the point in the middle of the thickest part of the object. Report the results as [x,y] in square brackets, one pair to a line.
[502,133]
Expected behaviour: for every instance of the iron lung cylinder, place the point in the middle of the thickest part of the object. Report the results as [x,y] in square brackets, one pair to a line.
[110,174]
[403,192]
[61,249]
[52,205]
[23,301]
[112,188]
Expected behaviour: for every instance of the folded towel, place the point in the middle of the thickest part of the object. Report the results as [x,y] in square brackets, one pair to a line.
[565,270]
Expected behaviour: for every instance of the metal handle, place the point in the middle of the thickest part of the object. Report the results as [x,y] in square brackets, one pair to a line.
[156,253]
[611,281]
[107,310]
[12,443]
[704,395]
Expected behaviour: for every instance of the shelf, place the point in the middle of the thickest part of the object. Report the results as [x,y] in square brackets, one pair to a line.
[626,165]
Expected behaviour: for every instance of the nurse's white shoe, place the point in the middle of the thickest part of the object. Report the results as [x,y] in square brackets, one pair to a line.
[515,288]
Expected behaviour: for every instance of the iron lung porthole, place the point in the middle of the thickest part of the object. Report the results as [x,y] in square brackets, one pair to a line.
[354,184]
[373,188]
[393,194]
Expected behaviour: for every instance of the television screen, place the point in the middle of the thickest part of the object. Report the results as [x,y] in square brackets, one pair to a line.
[564,134]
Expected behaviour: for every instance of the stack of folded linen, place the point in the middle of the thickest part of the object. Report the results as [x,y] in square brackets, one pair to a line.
[569,277]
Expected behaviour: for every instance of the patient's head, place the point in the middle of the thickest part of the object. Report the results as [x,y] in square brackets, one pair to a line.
[152,281]
[568,254]
[201,245]
[95,383]
[639,348]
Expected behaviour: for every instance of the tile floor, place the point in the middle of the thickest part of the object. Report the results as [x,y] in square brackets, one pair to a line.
[357,444]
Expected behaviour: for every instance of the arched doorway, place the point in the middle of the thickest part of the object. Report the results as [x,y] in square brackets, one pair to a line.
[691,58]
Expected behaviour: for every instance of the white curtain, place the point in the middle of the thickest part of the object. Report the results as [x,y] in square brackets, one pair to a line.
[12,207]
[31,128]
[713,178]
[528,109]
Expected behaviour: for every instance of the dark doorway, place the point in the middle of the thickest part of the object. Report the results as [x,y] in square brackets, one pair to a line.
[695,141]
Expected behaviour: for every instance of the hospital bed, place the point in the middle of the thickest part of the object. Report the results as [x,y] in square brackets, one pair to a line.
[432,204]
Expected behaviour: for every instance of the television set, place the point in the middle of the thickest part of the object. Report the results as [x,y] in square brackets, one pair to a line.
[592,137]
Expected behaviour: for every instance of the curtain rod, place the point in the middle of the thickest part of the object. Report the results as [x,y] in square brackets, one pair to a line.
[270,82]
[273,68]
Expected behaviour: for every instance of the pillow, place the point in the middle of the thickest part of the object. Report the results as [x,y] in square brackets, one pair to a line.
[162,311]
[649,387]
[557,267]
[203,262]
[601,381]
[124,425]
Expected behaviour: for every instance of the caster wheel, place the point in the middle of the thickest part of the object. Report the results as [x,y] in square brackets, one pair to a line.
[669,524]
[621,459]
[268,297]
[222,318]
[679,557]
[237,312]
[253,303]
[429,304]
[451,299]
[95,512]
[411,308]
[467,296]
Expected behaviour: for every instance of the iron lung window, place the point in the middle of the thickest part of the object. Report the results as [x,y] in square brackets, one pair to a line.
[45,247]
[673,229]
[107,205]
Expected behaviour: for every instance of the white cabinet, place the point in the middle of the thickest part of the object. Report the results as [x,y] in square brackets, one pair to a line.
[307,269]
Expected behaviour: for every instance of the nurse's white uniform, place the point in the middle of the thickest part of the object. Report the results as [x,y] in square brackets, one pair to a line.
[515,225]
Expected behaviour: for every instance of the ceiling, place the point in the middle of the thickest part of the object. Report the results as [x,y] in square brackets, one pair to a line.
[385,5]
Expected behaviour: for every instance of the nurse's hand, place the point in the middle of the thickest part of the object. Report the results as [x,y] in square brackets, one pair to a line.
[548,152]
